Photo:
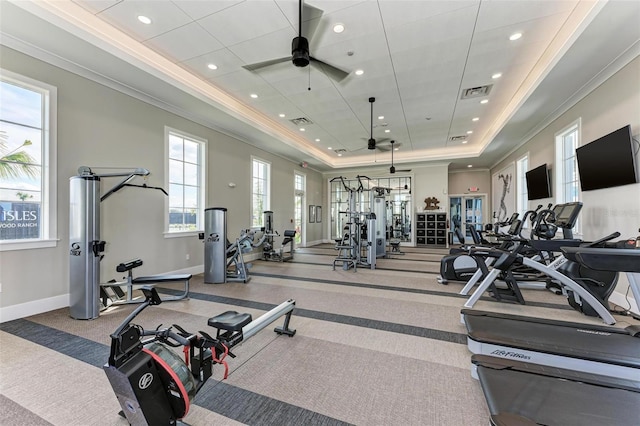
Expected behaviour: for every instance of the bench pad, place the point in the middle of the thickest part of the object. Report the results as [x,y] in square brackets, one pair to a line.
[161,279]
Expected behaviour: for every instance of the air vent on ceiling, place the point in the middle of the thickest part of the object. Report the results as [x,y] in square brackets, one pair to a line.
[340,151]
[475,92]
[457,138]
[301,120]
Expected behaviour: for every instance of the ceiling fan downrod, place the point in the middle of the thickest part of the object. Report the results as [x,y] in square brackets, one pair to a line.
[300,45]
[392,169]
[371,143]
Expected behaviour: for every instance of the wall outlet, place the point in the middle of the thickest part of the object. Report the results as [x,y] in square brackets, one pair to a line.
[188,256]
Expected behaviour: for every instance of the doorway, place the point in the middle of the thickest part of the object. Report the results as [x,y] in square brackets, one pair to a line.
[466,210]
[299,207]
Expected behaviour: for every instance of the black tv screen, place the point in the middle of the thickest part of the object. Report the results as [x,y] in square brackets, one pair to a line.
[538,184]
[608,161]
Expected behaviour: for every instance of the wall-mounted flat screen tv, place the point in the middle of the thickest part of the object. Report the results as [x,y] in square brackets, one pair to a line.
[608,161]
[538,183]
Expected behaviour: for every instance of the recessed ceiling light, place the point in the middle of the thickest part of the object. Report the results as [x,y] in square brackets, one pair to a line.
[484,101]
[338,28]
[281,115]
[515,36]
[475,119]
[253,95]
[464,142]
[381,117]
[496,75]
[469,165]
[329,148]
[469,132]
[317,140]
[396,149]
[340,155]
[212,66]
[387,131]
[302,129]
[144,19]
[359,72]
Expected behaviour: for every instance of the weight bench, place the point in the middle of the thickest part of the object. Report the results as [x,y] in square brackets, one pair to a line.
[112,291]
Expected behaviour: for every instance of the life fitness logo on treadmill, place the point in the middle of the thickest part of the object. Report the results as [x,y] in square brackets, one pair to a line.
[75,249]
[145,381]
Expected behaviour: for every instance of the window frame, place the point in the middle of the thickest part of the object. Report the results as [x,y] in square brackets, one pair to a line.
[49,218]
[560,172]
[561,180]
[266,196]
[202,180]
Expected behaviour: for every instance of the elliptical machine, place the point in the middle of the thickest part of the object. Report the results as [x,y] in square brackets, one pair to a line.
[154,386]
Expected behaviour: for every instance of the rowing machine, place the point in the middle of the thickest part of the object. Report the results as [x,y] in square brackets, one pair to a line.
[154,386]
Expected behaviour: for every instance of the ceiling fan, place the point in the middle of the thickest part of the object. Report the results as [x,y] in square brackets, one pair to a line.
[371,142]
[392,169]
[300,49]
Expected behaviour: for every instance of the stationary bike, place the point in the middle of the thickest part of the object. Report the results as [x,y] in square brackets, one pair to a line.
[154,386]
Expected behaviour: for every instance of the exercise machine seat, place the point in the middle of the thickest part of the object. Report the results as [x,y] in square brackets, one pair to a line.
[230,321]
[289,234]
[161,279]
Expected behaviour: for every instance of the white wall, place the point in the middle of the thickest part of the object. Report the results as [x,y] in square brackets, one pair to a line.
[101,127]
[613,104]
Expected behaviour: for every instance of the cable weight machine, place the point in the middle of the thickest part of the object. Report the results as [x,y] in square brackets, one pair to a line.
[363,237]
[85,246]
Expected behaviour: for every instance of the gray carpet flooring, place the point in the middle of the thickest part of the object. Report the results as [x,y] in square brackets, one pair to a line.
[373,347]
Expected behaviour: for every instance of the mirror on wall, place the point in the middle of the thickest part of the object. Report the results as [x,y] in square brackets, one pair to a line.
[357,194]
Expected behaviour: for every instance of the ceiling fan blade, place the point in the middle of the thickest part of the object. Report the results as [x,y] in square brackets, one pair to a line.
[384,147]
[334,72]
[311,17]
[258,65]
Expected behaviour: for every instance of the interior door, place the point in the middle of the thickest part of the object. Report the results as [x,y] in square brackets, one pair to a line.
[466,210]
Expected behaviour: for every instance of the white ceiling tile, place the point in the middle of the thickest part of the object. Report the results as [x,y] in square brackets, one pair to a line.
[165,16]
[245,21]
[270,46]
[198,9]
[95,6]
[498,13]
[400,13]
[226,62]
[188,41]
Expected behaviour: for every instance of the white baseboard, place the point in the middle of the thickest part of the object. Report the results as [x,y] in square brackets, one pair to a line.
[621,300]
[21,310]
[318,242]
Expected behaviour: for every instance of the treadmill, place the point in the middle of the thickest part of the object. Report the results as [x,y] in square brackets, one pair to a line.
[524,394]
[606,351]
[523,391]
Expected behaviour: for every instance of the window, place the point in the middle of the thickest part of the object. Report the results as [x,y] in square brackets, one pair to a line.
[186,181]
[566,167]
[260,196]
[27,163]
[522,166]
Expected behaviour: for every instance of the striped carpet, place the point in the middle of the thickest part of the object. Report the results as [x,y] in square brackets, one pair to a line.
[373,347]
